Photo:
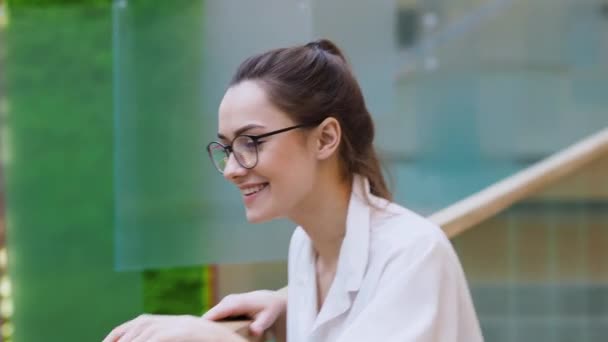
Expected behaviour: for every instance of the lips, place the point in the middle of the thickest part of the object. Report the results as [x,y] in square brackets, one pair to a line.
[253,189]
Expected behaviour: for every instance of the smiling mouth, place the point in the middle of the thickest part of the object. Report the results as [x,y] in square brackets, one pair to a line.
[254,189]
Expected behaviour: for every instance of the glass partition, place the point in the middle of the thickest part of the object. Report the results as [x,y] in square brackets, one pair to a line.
[539,271]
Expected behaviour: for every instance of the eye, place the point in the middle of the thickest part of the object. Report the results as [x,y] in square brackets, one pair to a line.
[260,142]
[251,145]
[246,143]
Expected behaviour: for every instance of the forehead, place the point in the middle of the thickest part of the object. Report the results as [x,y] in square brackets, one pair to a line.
[246,103]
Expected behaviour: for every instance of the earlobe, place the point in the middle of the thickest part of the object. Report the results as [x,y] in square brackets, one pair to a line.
[329,138]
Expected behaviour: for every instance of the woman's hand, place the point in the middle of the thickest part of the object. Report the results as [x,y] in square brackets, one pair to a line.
[264,307]
[158,328]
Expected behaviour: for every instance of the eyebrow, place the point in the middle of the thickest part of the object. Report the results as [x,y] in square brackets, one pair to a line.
[240,130]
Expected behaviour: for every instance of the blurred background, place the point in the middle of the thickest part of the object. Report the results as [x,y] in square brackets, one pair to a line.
[109,207]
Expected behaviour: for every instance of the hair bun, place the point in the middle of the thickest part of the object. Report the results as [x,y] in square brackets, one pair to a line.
[326,45]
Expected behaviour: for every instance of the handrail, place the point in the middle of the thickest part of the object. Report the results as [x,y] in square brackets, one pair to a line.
[469,212]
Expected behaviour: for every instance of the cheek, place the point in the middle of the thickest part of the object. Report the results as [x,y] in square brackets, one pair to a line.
[298,181]
[290,170]
[285,157]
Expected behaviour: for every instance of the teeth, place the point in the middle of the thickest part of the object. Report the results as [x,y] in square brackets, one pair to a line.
[253,189]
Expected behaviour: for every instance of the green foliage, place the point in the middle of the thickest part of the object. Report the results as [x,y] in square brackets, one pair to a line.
[174,291]
[41,3]
[59,176]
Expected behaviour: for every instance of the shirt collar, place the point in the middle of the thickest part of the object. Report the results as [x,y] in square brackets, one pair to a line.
[354,254]
[355,246]
[354,251]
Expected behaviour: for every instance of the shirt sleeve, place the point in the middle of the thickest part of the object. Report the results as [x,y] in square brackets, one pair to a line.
[423,297]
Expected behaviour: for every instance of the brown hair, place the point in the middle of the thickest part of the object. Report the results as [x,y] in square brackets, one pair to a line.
[312,82]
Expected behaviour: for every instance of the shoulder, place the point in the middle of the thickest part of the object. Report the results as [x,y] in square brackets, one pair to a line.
[298,244]
[399,233]
[298,237]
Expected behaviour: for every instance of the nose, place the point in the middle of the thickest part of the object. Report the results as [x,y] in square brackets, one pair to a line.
[233,169]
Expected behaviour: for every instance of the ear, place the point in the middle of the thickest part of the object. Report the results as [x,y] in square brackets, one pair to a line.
[329,134]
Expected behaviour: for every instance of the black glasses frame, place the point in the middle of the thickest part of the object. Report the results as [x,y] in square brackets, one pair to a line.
[228,148]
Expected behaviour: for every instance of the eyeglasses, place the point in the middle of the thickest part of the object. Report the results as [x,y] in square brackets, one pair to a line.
[244,147]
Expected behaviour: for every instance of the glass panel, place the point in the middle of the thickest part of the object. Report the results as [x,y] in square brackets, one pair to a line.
[491,86]
[539,272]
[463,104]
[173,62]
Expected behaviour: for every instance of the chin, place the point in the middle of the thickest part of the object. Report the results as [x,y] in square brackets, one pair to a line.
[254,216]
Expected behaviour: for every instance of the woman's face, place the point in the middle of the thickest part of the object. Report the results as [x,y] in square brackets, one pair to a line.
[285,170]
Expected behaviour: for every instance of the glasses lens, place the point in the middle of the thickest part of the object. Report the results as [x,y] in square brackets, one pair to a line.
[218,156]
[245,150]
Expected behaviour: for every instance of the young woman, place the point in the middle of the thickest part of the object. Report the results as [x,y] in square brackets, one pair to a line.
[296,138]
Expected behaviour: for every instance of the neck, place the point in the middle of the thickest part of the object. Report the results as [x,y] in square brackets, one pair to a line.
[322,215]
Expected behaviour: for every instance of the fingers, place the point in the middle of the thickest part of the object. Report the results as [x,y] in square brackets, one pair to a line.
[263,306]
[263,321]
[231,305]
[117,332]
[145,336]
[128,331]
[216,313]
[131,335]
[137,328]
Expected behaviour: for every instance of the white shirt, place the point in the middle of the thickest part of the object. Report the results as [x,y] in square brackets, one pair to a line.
[397,279]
